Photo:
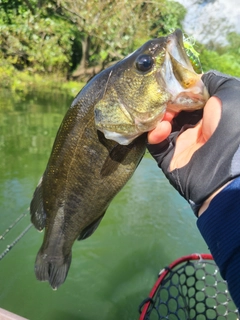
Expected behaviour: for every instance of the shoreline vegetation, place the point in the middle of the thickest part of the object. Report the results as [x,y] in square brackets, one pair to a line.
[60,44]
[23,82]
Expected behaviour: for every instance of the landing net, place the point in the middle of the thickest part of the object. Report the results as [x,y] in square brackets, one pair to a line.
[189,288]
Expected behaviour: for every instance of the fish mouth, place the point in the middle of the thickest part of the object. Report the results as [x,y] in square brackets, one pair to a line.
[175,48]
[182,82]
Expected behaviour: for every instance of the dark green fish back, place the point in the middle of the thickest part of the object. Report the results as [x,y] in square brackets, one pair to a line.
[85,171]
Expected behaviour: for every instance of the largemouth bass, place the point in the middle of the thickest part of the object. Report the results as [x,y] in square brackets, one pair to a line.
[101,141]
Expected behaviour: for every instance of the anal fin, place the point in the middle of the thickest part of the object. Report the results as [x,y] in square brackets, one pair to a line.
[88,231]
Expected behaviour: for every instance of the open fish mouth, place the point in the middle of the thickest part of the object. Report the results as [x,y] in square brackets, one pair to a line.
[175,48]
[182,82]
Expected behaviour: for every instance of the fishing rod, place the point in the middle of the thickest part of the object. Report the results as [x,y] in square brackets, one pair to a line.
[2,237]
[19,237]
[10,246]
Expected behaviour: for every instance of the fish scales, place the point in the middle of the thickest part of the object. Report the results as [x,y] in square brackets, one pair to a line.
[100,143]
[75,181]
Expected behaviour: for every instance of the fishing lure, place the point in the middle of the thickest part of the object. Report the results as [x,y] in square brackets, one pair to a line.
[192,54]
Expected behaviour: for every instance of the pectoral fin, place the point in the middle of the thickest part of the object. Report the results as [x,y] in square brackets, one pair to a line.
[116,154]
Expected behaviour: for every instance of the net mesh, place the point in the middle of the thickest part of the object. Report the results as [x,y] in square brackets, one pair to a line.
[192,290]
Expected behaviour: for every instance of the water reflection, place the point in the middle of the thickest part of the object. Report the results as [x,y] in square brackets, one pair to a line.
[147,226]
[27,130]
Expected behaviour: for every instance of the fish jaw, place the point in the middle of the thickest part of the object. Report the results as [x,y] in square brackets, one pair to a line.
[140,127]
[125,126]
[182,82]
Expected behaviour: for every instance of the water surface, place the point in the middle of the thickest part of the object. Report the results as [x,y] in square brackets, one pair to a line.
[146,226]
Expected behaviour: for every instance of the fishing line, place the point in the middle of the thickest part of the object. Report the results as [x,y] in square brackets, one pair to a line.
[10,246]
[13,225]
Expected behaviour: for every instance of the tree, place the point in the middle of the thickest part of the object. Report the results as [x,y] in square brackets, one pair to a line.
[110,29]
[57,35]
[33,37]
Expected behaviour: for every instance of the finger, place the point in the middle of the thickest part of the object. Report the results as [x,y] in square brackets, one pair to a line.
[210,122]
[160,133]
[189,141]
[169,115]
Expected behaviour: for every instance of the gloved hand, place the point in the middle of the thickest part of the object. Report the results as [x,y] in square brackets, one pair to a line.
[217,160]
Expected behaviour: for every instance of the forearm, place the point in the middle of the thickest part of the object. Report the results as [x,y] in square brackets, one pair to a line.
[219,226]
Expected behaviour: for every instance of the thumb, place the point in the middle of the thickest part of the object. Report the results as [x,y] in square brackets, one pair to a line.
[160,133]
[163,129]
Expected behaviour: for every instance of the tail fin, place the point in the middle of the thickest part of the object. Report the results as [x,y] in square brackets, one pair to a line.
[53,270]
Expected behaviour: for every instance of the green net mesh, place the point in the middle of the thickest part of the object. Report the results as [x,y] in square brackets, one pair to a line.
[192,290]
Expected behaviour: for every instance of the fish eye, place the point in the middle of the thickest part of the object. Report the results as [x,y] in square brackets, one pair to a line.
[144,62]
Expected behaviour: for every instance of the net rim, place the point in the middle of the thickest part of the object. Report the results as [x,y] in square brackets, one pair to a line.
[164,272]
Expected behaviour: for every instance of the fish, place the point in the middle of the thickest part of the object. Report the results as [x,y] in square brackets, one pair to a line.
[164,76]
[102,140]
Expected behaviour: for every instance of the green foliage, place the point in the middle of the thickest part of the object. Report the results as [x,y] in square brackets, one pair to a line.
[234,44]
[55,36]
[225,63]
[35,41]
[225,58]
[172,14]
[61,36]
[157,19]
[7,74]
[22,83]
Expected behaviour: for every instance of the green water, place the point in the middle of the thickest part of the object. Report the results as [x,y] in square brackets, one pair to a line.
[146,227]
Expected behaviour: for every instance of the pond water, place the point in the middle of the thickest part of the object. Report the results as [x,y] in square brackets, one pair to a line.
[146,227]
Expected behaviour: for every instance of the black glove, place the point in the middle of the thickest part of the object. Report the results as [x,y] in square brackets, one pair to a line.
[218,160]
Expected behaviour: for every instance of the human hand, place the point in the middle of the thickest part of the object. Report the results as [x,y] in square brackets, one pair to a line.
[196,165]
[193,138]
